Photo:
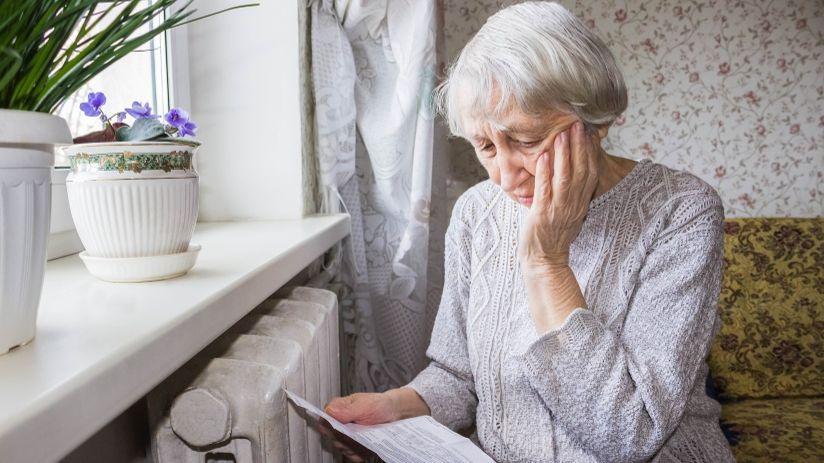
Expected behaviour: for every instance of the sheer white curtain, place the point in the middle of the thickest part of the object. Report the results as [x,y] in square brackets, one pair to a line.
[374,67]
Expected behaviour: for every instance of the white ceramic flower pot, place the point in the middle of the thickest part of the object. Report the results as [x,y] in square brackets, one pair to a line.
[26,159]
[133,199]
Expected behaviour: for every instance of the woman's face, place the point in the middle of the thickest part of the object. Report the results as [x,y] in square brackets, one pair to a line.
[510,149]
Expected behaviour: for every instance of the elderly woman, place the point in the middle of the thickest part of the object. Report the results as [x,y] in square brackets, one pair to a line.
[581,287]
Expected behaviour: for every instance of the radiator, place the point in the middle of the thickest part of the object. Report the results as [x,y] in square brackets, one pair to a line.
[227,404]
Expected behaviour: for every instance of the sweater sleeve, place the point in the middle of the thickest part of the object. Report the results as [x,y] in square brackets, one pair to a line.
[622,394]
[447,385]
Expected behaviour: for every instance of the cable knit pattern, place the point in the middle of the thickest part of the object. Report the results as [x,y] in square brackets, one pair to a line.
[624,378]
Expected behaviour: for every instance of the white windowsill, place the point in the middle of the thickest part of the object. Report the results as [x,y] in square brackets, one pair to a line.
[101,346]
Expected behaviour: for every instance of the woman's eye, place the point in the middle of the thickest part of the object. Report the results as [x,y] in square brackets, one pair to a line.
[528,144]
[487,148]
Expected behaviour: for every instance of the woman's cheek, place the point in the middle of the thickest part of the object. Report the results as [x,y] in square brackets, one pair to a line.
[531,165]
[491,168]
[546,147]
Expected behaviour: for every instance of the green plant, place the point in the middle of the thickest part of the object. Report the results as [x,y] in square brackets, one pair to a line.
[50,48]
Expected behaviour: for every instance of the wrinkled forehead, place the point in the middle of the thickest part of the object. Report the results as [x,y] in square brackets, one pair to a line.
[479,107]
[481,118]
[512,124]
[482,107]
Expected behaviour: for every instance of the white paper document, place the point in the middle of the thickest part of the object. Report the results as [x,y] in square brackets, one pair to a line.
[414,440]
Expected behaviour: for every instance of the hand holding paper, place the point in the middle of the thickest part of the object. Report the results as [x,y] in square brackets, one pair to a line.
[414,440]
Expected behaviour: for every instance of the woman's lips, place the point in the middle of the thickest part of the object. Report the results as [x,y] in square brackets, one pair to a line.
[525,200]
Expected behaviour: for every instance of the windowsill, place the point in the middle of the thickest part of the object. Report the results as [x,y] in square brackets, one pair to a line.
[101,346]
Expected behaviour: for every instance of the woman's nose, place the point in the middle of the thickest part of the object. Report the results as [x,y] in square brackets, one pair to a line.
[511,168]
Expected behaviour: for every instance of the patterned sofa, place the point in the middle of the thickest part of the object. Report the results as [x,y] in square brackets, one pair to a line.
[767,363]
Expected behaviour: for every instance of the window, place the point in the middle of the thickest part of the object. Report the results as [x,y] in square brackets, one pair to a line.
[140,76]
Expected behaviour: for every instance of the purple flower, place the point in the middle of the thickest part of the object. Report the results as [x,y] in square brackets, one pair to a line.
[188,128]
[177,118]
[139,111]
[92,107]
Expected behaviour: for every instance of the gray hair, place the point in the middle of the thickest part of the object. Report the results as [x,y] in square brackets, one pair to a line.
[539,57]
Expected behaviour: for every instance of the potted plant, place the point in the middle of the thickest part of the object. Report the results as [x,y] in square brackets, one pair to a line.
[48,50]
[133,193]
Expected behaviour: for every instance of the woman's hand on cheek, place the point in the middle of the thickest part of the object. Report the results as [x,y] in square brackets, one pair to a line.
[560,202]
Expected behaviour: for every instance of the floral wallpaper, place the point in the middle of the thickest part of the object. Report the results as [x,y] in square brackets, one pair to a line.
[732,91]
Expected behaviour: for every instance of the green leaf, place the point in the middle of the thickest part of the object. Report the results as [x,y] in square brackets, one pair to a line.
[12,61]
[51,48]
[141,130]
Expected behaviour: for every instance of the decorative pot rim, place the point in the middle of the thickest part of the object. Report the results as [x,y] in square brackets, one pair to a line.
[125,162]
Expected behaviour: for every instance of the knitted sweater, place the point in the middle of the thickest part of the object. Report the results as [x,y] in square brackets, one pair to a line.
[624,378]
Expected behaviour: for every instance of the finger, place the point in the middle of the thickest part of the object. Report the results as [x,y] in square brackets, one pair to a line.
[338,440]
[348,453]
[351,455]
[340,447]
[340,400]
[543,180]
[324,428]
[593,164]
[351,448]
[561,170]
[343,409]
[579,148]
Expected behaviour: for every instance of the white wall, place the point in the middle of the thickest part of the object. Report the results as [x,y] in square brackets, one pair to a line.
[244,94]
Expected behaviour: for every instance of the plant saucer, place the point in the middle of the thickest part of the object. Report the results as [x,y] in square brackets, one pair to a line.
[141,269]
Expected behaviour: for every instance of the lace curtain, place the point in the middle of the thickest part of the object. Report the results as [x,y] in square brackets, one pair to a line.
[373,70]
